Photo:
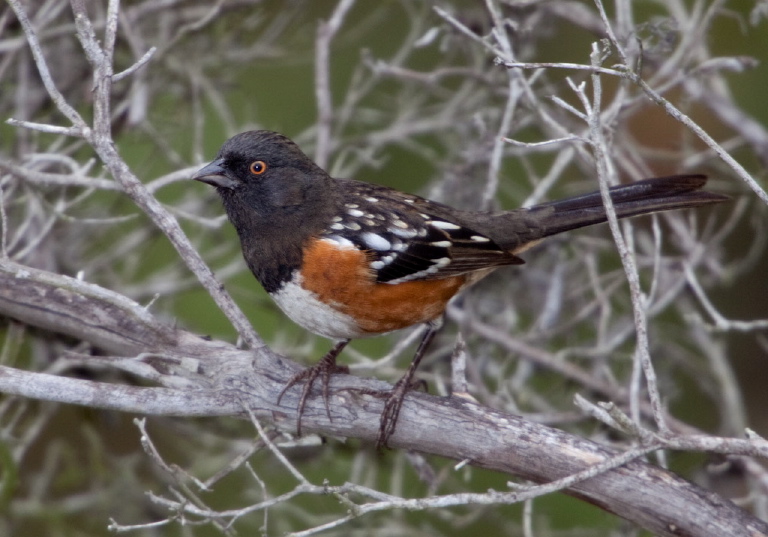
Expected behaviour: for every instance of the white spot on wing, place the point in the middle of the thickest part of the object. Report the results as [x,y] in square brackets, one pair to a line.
[403,233]
[439,224]
[437,264]
[479,238]
[340,241]
[408,278]
[377,242]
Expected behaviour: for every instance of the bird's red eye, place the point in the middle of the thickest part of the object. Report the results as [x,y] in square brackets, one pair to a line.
[258,167]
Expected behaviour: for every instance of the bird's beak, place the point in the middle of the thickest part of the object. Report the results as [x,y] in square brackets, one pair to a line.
[216,175]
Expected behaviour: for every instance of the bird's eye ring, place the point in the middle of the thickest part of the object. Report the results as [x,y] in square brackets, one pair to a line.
[257,167]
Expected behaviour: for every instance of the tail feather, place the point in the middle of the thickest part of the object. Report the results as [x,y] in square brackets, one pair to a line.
[516,231]
[641,197]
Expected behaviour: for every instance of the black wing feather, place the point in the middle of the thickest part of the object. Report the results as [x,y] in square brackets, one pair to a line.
[404,244]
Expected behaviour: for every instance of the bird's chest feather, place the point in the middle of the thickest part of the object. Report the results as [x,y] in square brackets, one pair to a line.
[271,241]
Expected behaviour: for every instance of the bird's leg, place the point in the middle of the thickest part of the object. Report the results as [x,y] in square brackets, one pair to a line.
[326,367]
[395,397]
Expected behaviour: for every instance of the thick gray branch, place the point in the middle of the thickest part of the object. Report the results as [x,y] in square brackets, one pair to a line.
[209,378]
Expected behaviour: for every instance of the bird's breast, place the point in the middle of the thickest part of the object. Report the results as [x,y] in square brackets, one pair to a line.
[335,295]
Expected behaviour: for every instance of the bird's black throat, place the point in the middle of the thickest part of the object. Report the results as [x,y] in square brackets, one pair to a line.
[272,239]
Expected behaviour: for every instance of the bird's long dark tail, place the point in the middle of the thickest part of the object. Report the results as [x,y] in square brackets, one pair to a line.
[641,197]
[528,226]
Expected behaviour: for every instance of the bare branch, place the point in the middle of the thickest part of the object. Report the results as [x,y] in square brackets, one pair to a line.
[607,176]
[141,62]
[325,33]
[45,73]
[486,437]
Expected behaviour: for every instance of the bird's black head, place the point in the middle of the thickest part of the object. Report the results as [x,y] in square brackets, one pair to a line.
[275,196]
[266,171]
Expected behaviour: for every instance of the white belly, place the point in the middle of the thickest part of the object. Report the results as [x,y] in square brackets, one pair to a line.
[304,308]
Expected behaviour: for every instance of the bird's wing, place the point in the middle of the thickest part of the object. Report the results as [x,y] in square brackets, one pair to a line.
[410,238]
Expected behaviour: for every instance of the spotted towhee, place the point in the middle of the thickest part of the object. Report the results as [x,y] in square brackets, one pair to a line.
[346,259]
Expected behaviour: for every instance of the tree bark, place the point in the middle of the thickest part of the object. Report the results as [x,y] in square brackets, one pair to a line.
[200,377]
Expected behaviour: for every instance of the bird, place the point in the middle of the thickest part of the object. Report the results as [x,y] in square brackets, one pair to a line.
[346,259]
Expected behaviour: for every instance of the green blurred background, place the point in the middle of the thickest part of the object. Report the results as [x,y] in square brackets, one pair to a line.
[102,466]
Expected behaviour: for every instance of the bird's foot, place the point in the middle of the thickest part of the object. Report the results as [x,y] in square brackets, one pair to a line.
[324,369]
[393,402]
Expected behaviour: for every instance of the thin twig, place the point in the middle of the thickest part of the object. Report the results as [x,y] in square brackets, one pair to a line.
[606,175]
[325,33]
